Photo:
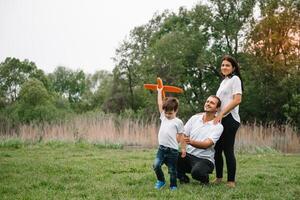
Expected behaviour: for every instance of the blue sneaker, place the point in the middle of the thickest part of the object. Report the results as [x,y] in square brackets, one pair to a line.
[159,184]
[172,188]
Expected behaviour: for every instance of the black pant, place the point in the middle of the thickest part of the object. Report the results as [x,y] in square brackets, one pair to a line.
[226,144]
[198,167]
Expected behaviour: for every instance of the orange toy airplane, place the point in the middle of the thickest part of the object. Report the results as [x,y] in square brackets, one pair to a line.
[166,88]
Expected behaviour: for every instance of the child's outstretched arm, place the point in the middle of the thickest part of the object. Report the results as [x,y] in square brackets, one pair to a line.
[159,100]
[180,139]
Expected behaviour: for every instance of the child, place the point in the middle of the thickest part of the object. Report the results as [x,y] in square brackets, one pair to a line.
[170,132]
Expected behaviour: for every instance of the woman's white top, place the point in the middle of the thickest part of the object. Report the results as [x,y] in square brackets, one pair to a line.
[228,88]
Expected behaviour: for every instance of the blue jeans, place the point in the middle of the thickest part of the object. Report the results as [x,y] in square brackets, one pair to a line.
[168,156]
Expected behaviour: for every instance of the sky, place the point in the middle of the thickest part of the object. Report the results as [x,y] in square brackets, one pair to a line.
[78,34]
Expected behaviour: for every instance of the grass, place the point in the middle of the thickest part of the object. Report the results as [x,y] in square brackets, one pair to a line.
[62,170]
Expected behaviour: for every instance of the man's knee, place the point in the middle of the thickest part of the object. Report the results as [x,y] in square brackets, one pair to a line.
[200,172]
[197,173]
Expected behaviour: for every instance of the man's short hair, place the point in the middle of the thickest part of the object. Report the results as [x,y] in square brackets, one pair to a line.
[219,100]
[170,104]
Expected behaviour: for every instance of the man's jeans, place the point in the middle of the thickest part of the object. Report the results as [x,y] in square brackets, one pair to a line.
[199,168]
[168,156]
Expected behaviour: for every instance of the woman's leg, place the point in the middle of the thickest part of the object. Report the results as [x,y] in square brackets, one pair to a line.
[230,128]
[219,158]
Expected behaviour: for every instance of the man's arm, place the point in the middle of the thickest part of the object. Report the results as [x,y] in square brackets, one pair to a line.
[208,142]
[159,100]
[199,144]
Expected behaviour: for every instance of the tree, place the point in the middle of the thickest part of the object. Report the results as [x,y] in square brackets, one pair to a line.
[68,83]
[128,73]
[98,87]
[13,73]
[274,46]
[35,103]
[231,18]
[276,36]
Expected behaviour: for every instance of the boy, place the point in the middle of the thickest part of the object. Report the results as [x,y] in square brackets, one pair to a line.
[170,132]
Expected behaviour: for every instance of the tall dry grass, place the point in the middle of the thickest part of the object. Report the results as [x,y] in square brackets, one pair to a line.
[108,129]
[283,138]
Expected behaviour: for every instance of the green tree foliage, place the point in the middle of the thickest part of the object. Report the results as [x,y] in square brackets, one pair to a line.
[69,84]
[13,73]
[130,70]
[183,49]
[274,46]
[292,110]
[230,21]
[35,103]
[98,87]
[176,54]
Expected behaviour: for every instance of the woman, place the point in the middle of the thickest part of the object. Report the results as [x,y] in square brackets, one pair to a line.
[230,93]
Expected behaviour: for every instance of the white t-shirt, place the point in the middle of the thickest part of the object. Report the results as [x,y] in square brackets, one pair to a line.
[168,130]
[197,130]
[228,88]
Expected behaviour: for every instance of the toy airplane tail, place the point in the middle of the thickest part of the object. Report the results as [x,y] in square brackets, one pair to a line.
[166,88]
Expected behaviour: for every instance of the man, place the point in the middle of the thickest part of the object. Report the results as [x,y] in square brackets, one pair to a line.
[200,135]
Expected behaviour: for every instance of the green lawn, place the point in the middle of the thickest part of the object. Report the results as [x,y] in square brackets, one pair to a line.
[83,171]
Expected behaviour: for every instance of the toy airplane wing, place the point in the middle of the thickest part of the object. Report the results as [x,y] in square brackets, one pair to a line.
[173,89]
[150,86]
[166,88]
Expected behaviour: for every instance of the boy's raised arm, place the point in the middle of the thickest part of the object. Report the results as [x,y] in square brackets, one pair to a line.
[159,100]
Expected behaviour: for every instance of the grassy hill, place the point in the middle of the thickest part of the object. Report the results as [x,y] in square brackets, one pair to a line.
[58,170]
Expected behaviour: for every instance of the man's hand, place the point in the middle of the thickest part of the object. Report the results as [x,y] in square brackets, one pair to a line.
[186,139]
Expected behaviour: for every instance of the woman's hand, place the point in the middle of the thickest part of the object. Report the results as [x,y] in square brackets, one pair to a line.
[218,119]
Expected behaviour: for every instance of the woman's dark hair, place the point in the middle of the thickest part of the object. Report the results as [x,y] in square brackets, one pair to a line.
[236,67]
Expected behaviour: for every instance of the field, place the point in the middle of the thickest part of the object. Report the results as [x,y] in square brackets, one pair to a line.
[81,170]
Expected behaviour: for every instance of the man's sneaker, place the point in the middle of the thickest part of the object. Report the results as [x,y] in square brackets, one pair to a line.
[159,184]
[172,188]
[184,179]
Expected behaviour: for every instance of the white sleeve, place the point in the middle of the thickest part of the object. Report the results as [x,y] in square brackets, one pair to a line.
[236,85]
[180,127]
[217,133]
